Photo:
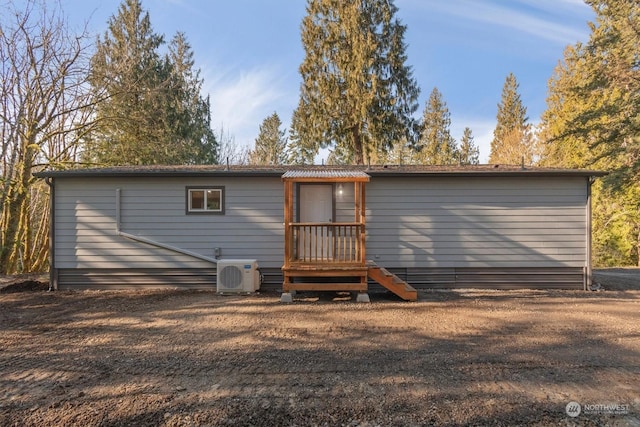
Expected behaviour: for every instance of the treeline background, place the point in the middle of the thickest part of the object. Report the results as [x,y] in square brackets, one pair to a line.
[130,96]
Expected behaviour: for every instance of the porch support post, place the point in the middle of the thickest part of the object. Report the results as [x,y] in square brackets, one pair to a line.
[288,219]
[360,213]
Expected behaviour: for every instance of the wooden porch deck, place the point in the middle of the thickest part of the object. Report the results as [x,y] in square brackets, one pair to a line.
[357,273]
[302,277]
[331,256]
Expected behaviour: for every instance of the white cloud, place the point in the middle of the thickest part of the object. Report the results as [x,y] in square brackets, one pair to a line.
[554,6]
[519,21]
[242,99]
[547,24]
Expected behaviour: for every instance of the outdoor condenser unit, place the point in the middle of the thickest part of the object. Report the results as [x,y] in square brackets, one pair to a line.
[238,276]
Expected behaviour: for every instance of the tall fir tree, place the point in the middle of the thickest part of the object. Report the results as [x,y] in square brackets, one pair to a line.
[357,94]
[302,151]
[128,71]
[469,153]
[436,146]
[150,113]
[593,120]
[513,141]
[562,147]
[611,125]
[340,155]
[271,143]
[189,113]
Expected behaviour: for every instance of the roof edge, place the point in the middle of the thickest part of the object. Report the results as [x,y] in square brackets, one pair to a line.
[279,171]
[531,172]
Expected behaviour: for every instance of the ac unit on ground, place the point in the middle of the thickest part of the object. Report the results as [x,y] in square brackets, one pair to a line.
[238,276]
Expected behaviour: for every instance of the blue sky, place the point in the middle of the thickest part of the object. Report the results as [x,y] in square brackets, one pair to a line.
[249,51]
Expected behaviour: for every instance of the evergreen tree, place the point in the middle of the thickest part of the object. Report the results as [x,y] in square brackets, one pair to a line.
[357,94]
[271,144]
[302,151]
[469,152]
[152,112]
[512,139]
[400,154]
[593,120]
[340,155]
[562,147]
[127,69]
[436,146]
[611,125]
[189,113]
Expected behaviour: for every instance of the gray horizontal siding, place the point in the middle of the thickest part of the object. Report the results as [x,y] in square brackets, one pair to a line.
[155,209]
[477,223]
[454,228]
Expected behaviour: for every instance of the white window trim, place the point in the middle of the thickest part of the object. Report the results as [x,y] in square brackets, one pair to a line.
[204,210]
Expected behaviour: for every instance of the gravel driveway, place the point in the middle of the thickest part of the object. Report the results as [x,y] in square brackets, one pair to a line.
[188,358]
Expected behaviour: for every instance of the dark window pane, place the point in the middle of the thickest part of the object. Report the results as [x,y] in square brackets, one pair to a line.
[197,199]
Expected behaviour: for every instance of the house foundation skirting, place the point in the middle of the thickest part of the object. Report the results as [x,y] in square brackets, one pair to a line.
[135,278]
[420,278]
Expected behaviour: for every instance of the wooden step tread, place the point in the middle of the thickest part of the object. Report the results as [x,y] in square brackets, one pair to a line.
[402,288]
[392,282]
[381,271]
[386,272]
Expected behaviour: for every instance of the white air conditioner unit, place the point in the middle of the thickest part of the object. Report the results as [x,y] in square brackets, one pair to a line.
[237,276]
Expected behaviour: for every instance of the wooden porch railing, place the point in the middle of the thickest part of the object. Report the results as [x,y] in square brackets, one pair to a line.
[322,243]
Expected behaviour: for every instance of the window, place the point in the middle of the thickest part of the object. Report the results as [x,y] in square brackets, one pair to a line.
[206,200]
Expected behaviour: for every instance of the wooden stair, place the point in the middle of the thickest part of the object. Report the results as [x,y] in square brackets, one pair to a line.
[391,282]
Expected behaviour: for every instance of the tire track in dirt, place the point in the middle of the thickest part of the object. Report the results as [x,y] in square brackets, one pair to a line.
[165,358]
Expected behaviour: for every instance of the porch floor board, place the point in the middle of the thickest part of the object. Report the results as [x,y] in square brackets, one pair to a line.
[336,287]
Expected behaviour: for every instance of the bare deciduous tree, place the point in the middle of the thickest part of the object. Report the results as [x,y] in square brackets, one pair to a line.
[45,110]
[229,151]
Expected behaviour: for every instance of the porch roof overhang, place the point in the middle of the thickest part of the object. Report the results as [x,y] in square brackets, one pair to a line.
[325,175]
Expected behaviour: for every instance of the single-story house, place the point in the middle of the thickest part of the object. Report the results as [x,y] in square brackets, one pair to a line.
[488,226]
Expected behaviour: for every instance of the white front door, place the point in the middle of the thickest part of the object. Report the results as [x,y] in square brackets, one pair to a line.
[315,243]
[316,203]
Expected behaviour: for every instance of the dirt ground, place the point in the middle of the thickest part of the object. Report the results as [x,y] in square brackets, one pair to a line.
[193,358]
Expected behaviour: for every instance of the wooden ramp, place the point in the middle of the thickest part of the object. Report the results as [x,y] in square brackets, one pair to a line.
[391,282]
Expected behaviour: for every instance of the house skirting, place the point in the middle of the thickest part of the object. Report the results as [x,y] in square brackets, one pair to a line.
[421,278]
[129,278]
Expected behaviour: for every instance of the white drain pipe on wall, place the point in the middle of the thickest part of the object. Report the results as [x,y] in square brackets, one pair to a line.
[153,242]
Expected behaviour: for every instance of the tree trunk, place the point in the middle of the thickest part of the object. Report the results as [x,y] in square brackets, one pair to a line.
[358,151]
[17,212]
[11,244]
